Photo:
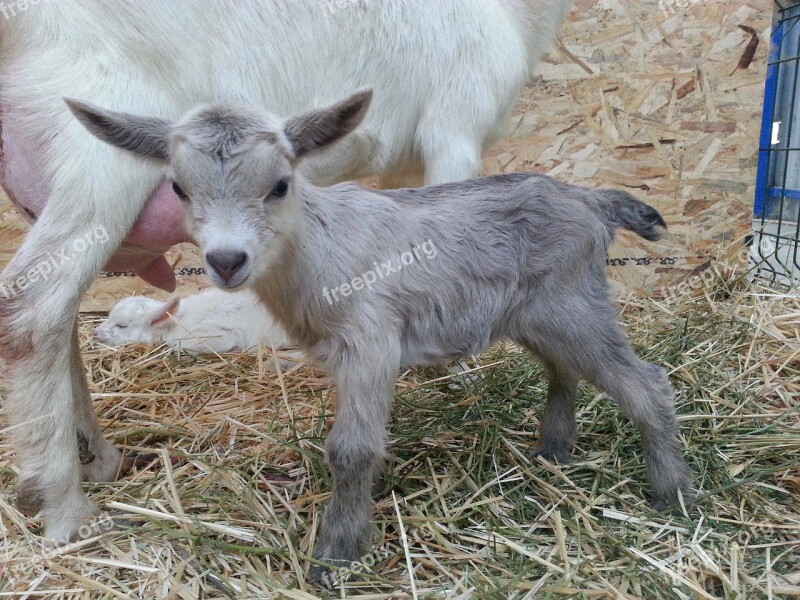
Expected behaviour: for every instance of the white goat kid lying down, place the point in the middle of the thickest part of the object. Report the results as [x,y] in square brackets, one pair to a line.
[444,83]
[519,256]
[208,322]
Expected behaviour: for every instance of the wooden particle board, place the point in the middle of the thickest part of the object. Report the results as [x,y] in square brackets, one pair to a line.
[663,101]
[649,96]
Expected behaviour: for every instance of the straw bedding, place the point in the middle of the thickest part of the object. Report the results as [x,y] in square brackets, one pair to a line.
[230,505]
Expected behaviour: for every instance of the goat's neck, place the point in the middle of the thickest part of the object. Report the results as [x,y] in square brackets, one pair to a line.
[287,289]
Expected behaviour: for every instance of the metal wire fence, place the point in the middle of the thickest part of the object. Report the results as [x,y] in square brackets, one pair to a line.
[776,243]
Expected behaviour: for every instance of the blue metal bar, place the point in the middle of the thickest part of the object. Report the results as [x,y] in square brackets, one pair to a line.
[790,8]
[787,155]
[776,192]
[770,92]
[785,60]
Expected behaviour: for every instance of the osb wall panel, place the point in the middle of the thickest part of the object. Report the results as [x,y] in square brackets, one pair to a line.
[664,101]
[661,97]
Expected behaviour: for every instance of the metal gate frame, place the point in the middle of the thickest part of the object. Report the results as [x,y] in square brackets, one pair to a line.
[775,250]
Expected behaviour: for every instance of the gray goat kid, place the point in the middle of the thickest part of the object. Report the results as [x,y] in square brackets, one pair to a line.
[519,256]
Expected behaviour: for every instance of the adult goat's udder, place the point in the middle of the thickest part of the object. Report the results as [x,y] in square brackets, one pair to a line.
[159,227]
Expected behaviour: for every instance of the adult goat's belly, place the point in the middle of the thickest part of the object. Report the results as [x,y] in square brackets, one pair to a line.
[20,175]
[23,177]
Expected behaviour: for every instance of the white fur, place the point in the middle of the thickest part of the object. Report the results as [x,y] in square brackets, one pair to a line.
[443,86]
[517,256]
[208,322]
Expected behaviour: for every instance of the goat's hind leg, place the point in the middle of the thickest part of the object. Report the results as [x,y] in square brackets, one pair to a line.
[450,150]
[558,430]
[100,460]
[450,157]
[591,342]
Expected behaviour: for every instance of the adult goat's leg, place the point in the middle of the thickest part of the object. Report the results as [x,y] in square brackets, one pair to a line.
[449,145]
[355,451]
[94,204]
[100,460]
[447,160]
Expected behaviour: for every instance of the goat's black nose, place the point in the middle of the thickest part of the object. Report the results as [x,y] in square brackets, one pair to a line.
[226,262]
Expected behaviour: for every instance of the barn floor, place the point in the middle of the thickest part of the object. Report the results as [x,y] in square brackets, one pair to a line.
[231,506]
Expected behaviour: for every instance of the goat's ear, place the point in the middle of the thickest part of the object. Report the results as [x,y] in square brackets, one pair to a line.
[145,136]
[160,318]
[319,128]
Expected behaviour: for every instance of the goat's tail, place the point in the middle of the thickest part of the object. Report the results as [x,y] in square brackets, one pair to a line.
[622,209]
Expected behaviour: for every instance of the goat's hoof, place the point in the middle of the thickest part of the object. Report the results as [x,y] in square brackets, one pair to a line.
[100,460]
[338,559]
[72,520]
[671,487]
[671,505]
[320,575]
[136,461]
[664,506]
[330,575]
[30,499]
[554,454]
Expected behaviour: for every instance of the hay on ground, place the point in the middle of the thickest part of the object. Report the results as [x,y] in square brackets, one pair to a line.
[232,505]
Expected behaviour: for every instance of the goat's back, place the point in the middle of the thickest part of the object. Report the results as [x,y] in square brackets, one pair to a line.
[500,242]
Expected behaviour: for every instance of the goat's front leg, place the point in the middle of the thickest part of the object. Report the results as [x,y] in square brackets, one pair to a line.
[356,451]
[93,206]
[100,460]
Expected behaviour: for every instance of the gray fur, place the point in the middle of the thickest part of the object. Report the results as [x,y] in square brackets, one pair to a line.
[321,128]
[145,136]
[519,256]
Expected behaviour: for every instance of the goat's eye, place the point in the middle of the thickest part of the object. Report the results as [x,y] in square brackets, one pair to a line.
[121,326]
[281,188]
[179,191]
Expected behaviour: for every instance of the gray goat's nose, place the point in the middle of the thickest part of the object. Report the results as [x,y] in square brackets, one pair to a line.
[226,262]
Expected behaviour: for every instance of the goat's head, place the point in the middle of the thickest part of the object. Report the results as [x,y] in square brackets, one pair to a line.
[234,170]
[137,319]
